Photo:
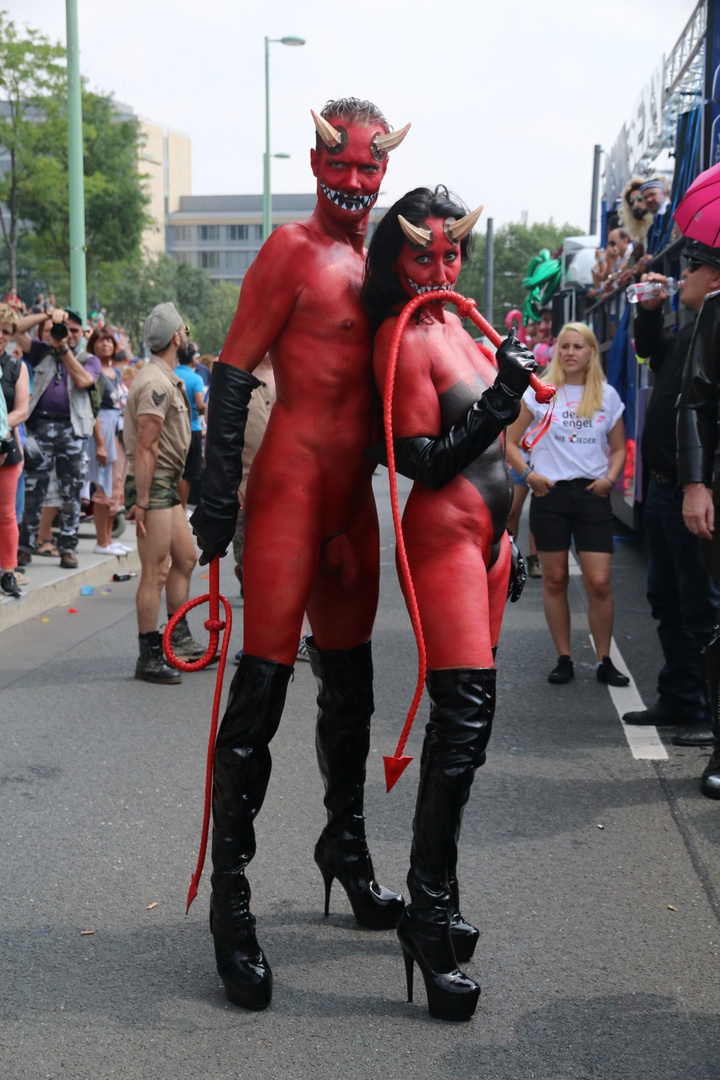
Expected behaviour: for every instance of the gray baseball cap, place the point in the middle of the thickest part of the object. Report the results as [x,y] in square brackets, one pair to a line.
[160,325]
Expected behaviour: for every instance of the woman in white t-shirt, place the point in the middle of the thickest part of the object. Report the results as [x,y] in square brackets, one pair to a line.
[573,468]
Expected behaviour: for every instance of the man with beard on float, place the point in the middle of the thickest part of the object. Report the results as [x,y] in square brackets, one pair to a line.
[311,533]
[450,408]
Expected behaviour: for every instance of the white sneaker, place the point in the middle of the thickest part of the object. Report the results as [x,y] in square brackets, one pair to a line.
[100,550]
[111,549]
[122,549]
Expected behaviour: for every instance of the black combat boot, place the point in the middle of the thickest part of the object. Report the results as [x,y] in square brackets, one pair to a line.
[240,780]
[461,713]
[152,665]
[345,705]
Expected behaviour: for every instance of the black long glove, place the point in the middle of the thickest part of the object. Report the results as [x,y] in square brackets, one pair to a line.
[437,461]
[518,577]
[215,516]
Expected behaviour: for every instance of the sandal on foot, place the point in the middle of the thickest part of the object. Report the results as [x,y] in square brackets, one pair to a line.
[48,548]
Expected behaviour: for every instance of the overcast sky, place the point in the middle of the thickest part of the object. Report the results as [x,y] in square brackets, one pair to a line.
[506,99]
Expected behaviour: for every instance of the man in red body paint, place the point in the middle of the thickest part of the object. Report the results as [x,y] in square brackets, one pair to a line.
[311,533]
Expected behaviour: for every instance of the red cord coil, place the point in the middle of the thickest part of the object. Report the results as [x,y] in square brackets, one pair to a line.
[214,625]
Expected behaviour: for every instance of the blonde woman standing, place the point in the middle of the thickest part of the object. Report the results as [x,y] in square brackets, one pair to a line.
[572,471]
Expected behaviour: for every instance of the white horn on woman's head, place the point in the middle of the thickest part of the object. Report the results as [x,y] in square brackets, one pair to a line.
[418,237]
[458,230]
[383,144]
[329,135]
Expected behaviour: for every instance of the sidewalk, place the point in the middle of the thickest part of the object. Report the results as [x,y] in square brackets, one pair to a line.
[50,586]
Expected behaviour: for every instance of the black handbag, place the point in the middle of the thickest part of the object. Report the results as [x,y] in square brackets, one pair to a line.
[11,447]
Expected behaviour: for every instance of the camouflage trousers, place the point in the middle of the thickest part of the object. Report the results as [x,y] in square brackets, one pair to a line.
[62,448]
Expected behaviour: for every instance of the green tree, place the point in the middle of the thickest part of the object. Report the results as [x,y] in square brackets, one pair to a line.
[34,187]
[212,328]
[141,284]
[115,199]
[514,246]
[31,73]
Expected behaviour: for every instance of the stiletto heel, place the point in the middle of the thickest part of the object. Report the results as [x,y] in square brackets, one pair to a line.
[451,995]
[328,877]
[345,706]
[462,704]
[374,906]
[409,965]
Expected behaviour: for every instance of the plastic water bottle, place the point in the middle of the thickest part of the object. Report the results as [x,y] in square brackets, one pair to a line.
[648,290]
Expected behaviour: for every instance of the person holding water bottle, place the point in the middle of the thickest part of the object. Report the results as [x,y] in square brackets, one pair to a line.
[683,598]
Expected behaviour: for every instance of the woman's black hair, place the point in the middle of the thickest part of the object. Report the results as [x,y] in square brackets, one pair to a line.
[382,293]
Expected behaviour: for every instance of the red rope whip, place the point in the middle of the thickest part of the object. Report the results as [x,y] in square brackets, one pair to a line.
[544,392]
[214,625]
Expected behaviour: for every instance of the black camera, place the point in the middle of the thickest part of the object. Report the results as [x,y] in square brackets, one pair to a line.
[7,445]
[59,331]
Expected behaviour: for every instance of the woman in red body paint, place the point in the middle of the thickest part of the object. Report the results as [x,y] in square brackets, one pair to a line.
[450,408]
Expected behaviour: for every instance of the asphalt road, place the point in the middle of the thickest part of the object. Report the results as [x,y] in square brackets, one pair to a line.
[593,875]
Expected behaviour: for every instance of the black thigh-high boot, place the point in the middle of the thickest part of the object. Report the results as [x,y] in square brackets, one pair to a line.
[710,785]
[461,713]
[345,706]
[464,934]
[240,780]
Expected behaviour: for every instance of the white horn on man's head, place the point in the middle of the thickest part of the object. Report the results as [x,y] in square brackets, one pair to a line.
[383,144]
[458,230]
[329,135]
[418,237]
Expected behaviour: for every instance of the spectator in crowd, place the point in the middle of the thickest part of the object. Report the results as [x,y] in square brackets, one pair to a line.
[635,218]
[683,597]
[61,419]
[572,471]
[15,302]
[15,387]
[544,348]
[611,262]
[203,366]
[655,195]
[195,390]
[698,473]
[157,437]
[108,464]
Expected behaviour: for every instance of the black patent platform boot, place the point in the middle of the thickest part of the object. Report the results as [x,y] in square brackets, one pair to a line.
[461,712]
[345,705]
[240,780]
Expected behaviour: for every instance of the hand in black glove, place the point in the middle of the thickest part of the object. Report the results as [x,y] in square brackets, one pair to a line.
[518,577]
[215,517]
[516,364]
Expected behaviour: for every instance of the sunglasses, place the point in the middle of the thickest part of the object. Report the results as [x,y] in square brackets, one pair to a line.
[639,199]
[694,264]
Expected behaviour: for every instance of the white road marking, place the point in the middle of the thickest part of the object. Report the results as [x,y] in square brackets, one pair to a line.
[644,742]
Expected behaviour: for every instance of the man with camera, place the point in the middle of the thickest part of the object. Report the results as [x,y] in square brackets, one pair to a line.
[60,418]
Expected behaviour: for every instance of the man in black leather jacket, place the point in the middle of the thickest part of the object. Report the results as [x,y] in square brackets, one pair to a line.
[699,475]
[683,598]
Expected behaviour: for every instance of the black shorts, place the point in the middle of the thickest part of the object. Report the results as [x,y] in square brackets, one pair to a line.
[568,510]
[194,460]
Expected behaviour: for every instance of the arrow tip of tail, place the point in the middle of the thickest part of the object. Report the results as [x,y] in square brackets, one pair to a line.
[394,768]
[192,893]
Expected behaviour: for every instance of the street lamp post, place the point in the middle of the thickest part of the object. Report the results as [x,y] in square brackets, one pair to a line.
[267,196]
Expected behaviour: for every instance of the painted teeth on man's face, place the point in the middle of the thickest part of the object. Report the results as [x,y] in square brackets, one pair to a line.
[348,202]
[420,289]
